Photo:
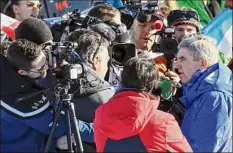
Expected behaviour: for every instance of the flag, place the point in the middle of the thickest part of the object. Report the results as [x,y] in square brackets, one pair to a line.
[8,25]
[220,28]
[61,5]
[197,5]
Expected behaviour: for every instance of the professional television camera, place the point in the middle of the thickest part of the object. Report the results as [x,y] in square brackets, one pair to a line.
[66,63]
[69,69]
[133,9]
[120,54]
[167,45]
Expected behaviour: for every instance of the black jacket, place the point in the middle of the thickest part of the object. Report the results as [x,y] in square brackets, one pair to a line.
[92,92]
[15,87]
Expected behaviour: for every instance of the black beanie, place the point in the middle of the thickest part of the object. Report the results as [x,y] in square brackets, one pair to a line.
[34,30]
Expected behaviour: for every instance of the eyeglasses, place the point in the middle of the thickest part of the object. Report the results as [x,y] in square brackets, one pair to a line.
[32,4]
[44,67]
[176,15]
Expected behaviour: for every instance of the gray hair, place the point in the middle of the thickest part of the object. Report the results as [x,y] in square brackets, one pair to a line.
[201,47]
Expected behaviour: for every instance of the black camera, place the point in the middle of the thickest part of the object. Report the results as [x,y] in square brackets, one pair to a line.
[167,43]
[121,53]
[65,61]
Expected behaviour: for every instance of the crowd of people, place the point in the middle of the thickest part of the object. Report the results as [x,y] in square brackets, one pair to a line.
[130,117]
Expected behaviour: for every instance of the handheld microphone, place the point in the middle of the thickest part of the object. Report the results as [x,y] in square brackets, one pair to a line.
[158,25]
[177,84]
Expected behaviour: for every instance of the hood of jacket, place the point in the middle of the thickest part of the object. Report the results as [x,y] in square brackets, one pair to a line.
[126,114]
[218,77]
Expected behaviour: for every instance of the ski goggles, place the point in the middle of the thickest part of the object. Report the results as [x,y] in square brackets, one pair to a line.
[177,15]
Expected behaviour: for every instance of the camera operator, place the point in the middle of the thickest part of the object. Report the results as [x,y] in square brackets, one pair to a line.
[93,90]
[121,47]
[105,12]
[185,21]
[36,30]
[144,27]
[146,24]
[130,121]
[26,122]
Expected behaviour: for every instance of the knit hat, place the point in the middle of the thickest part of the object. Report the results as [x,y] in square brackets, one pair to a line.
[181,17]
[34,30]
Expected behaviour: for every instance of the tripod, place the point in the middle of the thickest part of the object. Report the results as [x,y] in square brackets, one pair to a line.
[67,106]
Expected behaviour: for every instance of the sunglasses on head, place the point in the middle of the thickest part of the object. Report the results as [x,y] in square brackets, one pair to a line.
[178,15]
[145,16]
[32,4]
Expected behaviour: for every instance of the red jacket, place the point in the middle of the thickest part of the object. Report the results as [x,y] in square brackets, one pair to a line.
[129,114]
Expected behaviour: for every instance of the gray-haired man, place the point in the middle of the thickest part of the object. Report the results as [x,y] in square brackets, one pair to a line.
[207,95]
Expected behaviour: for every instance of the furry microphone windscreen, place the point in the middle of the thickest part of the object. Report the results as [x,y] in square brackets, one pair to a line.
[104,30]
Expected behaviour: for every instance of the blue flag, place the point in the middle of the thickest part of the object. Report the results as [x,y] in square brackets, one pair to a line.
[220,28]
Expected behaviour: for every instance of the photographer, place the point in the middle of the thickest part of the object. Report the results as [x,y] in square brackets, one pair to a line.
[92,90]
[26,121]
[131,122]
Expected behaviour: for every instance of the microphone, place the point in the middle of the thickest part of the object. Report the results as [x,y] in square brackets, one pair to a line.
[177,84]
[123,38]
[158,25]
[104,30]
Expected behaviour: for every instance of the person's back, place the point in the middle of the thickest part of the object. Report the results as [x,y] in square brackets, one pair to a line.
[92,90]
[130,121]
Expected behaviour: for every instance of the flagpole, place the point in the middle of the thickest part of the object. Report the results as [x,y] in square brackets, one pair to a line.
[46,8]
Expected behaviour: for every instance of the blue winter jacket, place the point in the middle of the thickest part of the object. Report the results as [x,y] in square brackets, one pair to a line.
[30,135]
[207,122]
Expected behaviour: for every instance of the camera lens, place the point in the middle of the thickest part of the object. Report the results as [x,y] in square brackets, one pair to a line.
[119,54]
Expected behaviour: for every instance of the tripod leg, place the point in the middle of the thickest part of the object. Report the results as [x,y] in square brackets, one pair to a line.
[74,121]
[53,129]
[69,133]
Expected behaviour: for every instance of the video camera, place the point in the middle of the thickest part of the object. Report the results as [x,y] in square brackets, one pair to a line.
[167,44]
[121,53]
[66,62]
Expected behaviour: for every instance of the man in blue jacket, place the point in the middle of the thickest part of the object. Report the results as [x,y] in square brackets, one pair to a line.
[26,124]
[207,95]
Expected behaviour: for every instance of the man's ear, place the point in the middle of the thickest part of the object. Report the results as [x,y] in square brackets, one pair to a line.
[96,63]
[22,72]
[15,9]
[204,63]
